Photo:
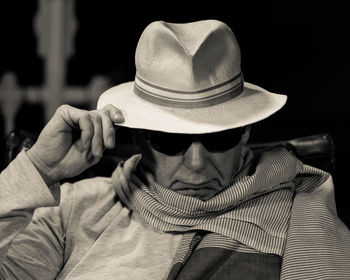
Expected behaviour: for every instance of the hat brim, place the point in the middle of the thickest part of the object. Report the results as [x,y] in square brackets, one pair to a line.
[252,105]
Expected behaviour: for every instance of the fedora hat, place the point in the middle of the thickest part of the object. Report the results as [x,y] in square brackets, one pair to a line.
[189,80]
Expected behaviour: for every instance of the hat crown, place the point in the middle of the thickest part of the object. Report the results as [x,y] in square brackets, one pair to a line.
[187,56]
[189,80]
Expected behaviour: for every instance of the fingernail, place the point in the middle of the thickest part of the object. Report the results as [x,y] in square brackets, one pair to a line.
[119,118]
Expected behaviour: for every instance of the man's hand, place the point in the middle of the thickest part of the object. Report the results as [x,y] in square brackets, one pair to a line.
[73,140]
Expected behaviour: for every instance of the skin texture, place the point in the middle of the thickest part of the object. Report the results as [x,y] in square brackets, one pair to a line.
[197,172]
[73,140]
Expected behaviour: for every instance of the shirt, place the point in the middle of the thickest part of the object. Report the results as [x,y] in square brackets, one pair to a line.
[88,235]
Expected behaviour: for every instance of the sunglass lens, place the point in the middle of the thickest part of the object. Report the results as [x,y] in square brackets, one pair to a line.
[169,143]
[222,141]
[172,143]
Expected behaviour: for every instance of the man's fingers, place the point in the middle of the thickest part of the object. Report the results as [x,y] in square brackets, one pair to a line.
[107,129]
[110,115]
[87,131]
[115,114]
[97,146]
[97,127]
[71,115]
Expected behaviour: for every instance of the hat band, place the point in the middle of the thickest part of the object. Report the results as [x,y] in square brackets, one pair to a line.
[188,99]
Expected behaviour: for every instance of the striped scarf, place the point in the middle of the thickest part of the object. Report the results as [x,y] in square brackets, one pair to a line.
[271,211]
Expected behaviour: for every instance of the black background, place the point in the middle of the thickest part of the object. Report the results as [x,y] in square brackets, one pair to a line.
[299,48]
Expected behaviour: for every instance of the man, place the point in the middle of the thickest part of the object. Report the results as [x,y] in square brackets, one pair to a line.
[195,205]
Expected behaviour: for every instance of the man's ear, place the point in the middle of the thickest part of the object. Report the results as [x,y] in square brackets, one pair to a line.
[246,134]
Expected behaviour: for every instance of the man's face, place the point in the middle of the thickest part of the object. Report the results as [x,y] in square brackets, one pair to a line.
[196,171]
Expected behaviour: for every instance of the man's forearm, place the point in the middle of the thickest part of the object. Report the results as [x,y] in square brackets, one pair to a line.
[22,190]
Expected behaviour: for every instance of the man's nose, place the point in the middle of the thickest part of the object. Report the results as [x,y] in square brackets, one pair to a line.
[196,157]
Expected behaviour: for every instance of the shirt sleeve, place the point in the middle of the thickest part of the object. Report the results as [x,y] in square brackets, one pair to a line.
[31,232]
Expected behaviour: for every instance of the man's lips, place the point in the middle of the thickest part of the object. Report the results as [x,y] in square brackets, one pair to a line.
[179,185]
[203,190]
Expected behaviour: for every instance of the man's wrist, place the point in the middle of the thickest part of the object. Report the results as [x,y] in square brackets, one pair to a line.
[46,178]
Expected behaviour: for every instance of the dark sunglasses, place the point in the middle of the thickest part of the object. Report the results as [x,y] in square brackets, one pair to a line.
[173,143]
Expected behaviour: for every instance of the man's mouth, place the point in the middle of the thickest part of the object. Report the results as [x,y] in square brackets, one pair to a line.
[202,190]
[179,185]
